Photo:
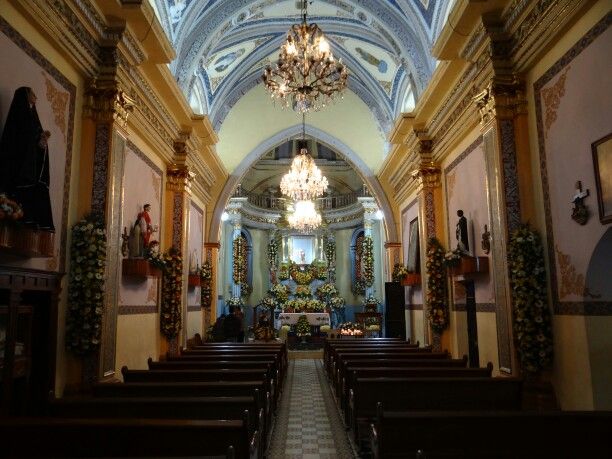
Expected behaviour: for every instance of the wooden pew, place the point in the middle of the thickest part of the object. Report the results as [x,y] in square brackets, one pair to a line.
[215,364]
[336,343]
[346,364]
[131,376]
[430,394]
[195,408]
[409,372]
[257,389]
[334,351]
[280,347]
[153,438]
[491,434]
[383,355]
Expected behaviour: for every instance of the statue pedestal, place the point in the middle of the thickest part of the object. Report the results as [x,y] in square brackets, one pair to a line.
[139,268]
[410,280]
[469,266]
[194,281]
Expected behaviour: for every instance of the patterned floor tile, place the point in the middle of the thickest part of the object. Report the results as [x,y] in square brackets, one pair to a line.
[307,425]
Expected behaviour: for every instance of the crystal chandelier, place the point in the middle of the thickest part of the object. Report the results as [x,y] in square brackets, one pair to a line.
[304,218]
[306,73]
[304,180]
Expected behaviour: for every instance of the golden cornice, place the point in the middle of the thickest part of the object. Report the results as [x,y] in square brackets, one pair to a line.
[427,175]
[503,98]
[179,178]
[106,101]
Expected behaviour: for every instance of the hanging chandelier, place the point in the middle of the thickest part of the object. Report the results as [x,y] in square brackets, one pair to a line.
[306,73]
[304,180]
[304,218]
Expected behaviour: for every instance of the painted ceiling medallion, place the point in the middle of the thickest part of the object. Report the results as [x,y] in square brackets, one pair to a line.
[306,74]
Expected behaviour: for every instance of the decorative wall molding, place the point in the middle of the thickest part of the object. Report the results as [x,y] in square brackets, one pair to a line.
[125,310]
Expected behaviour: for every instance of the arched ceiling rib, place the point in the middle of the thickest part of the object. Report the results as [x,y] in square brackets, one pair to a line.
[223,46]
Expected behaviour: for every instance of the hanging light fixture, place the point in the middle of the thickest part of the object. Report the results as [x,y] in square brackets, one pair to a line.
[306,74]
[304,217]
[304,180]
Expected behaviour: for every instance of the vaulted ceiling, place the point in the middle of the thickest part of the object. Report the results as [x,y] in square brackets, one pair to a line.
[222,47]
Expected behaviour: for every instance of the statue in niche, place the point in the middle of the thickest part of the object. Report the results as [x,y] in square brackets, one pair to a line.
[141,232]
[461,233]
[24,161]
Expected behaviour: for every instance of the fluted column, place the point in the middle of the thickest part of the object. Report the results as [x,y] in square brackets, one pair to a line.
[178,197]
[429,193]
[502,110]
[106,108]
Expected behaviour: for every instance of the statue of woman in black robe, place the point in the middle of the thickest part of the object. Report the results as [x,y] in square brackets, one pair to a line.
[24,160]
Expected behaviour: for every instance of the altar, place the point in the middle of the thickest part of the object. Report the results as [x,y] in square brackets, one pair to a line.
[314,318]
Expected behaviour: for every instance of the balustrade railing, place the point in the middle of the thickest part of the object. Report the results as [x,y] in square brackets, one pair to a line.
[326,203]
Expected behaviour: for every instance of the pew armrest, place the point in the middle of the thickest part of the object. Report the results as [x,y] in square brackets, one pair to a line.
[254,446]
[351,410]
[374,442]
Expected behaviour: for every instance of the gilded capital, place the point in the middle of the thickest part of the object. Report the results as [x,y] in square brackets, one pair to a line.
[106,101]
[427,175]
[181,148]
[503,98]
[179,178]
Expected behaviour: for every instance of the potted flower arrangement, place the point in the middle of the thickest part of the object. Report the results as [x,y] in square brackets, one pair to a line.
[399,272]
[302,291]
[283,272]
[370,304]
[280,292]
[301,276]
[532,322]
[302,328]
[235,301]
[452,258]
[86,286]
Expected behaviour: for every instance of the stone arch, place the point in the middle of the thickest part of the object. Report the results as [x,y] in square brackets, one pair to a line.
[349,155]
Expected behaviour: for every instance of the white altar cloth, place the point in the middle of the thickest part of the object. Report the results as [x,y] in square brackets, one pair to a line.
[314,318]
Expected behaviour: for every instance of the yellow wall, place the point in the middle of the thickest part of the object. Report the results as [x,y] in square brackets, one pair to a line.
[575,337]
[255,119]
[138,338]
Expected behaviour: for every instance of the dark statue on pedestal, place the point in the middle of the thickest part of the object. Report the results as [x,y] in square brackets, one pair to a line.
[24,161]
[461,233]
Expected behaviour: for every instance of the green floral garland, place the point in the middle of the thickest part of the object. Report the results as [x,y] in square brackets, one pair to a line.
[437,299]
[206,285]
[368,260]
[532,318]
[302,328]
[330,251]
[172,292]
[86,286]
[240,265]
[273,252]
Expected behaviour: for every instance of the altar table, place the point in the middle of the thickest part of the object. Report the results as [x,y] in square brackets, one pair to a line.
[314,318]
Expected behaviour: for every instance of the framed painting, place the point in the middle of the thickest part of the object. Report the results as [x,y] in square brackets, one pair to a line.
[602,163]
[413,262]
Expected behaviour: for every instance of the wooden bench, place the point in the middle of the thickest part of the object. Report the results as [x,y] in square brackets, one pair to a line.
[153,438]
[383,355]
[334,350]
[442,393]
[345,364]
[408,372]
[280,347]
[486,434]
[330,343]
[195,408]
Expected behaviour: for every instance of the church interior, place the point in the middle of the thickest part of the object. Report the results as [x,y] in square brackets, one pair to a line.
[305,228]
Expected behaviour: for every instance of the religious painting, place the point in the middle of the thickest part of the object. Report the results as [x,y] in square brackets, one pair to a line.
[413,262]
[602,162]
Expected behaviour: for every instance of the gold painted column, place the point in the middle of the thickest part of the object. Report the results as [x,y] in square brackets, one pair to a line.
[178,197]
[431,224]
[105,111]
[211,255]
[502,106]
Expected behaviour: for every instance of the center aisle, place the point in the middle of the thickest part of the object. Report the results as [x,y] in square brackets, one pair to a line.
[308,425]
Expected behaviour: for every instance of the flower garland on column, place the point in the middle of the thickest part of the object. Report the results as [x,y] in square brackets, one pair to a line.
[86,286]
[437,298]
[368,261]
[532,318]
[330,254]
[273,245]
[240,265]
[206,285]
[172,292]
[359,286]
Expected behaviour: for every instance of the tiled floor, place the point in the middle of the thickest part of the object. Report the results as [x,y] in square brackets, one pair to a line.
[307,425]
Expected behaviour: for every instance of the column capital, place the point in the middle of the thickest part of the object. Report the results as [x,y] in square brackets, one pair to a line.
[181,147]
[179,178]
[502,98]
[427,175]
[107,101]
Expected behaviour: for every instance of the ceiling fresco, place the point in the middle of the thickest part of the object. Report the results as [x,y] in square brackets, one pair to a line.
[222,47]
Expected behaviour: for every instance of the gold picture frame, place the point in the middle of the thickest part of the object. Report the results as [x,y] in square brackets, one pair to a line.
[602,163]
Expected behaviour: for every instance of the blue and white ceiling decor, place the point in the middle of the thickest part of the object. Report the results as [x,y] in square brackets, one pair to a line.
[222,47]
